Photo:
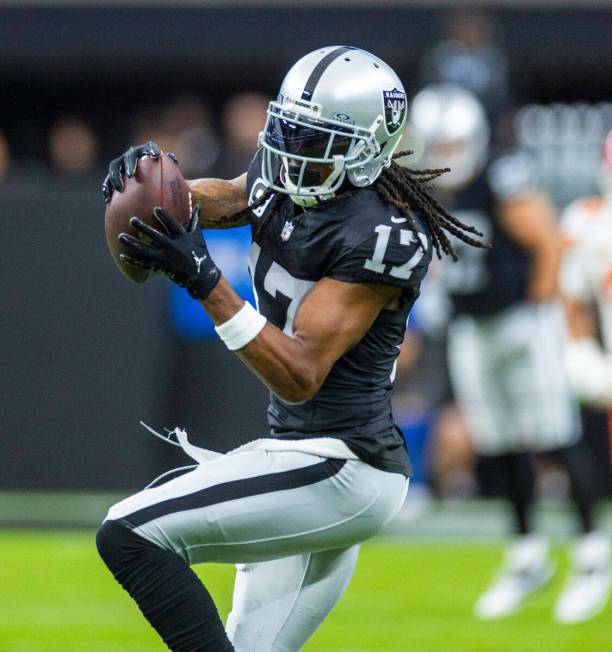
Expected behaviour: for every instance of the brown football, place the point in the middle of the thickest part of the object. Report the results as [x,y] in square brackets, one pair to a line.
[157,182]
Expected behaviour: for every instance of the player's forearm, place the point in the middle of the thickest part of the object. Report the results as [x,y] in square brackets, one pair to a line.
[580,319]
[530,221]
[278,360]
[544,271]
[221,202]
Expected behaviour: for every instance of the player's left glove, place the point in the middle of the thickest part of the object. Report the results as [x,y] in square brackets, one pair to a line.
[180,253]
[126,164]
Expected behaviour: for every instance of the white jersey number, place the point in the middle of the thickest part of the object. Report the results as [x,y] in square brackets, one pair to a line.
[407,237]
[278,280]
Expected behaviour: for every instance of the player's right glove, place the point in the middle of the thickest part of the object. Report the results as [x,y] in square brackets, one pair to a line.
[127,164]
[180,253]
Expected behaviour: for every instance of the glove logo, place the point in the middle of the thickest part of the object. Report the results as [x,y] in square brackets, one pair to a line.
[198,260]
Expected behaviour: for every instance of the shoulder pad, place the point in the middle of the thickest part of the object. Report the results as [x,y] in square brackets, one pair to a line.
[512,175]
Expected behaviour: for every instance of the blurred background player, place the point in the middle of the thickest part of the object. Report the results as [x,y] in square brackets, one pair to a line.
[469,55]
[505,339]
[586,284]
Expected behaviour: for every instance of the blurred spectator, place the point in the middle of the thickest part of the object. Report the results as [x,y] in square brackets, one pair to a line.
[471,57]
[183,127]
[5,156]
[73,146]
[147,125]
[243,118]
[196,144]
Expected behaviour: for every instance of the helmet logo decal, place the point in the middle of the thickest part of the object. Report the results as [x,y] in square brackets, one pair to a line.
[343,117]
[394,104]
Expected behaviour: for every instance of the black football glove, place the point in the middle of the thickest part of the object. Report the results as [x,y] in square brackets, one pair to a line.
[180,253]
[127,164]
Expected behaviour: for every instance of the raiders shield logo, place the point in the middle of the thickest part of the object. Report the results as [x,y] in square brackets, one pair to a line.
[394,103]
[287,231]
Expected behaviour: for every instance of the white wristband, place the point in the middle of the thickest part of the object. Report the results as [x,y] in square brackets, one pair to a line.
[243,327]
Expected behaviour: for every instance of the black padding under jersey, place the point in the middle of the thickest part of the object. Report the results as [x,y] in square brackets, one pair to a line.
[168,592]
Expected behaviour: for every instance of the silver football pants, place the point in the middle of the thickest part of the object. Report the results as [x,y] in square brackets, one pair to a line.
[508,375]
[291,521]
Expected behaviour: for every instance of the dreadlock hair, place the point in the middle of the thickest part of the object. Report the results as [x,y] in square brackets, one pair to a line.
[407,189]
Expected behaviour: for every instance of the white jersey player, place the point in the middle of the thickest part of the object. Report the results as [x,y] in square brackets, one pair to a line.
[586,282]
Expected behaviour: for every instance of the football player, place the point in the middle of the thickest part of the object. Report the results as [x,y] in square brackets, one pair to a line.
[342,237]
[586,283]
[505,340]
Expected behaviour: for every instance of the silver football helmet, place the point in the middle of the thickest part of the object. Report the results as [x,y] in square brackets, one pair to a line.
[340,114]
[454,129]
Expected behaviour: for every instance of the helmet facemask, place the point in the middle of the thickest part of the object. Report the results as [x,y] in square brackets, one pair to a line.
[308,156]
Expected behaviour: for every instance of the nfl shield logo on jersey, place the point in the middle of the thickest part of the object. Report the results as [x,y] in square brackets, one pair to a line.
[287,231]
[394,103]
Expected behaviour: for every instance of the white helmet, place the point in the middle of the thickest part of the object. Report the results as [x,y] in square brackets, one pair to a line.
[454,129]
[339,107]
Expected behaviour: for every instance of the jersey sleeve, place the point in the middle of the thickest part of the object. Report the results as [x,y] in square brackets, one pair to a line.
[390,255]
[256,187]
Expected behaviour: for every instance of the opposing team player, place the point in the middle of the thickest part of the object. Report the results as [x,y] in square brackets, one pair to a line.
[342,238]
[586,283]
[505,336]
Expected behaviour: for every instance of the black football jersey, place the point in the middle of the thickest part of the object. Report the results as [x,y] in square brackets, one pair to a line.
[485,281]
[357,238]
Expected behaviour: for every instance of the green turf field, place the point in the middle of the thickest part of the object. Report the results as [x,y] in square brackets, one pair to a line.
[56,596]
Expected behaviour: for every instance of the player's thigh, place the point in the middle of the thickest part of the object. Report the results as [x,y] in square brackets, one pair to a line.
[279,604]
[535,380]
[260,505]
[471,358]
